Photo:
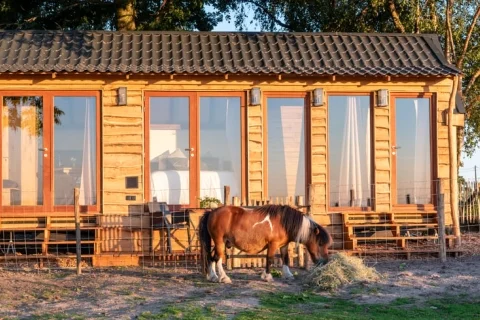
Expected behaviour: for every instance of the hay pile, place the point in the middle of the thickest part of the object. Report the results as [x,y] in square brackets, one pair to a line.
[341,270]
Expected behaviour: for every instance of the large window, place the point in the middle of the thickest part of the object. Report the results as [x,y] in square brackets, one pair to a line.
[195,146]
[412,151]
[75,150]
[286,147]
[349,151]
[169,149]
[22,146]
[49,147]
[220,146]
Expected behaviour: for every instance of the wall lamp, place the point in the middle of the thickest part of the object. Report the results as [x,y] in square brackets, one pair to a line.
[382,98]
[122,96]
[255,94]
[318,97]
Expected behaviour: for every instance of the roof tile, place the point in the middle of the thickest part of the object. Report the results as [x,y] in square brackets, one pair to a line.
[223,52]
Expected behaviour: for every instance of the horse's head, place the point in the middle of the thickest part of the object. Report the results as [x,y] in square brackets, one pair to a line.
[318,244]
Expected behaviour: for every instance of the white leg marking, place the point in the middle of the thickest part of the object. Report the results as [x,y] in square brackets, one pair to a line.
[221,273]
[212,276]
[267,219]
[286,272]
[267,276]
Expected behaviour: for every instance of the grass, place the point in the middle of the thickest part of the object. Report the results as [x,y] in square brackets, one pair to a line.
[305,306]
[184,311]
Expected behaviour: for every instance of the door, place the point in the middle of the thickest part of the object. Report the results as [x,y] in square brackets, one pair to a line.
[412,150]
[172,149]
[25,153]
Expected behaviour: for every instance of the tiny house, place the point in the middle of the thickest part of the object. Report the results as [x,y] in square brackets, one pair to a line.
[353,124]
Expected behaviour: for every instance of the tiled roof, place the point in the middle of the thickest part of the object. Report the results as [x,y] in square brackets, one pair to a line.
[223,52]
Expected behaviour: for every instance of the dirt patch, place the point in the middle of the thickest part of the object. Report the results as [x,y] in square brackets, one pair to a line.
[125,293]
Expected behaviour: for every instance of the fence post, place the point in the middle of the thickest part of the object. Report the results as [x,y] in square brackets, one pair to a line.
[76,193]
[226,195]
[441,222]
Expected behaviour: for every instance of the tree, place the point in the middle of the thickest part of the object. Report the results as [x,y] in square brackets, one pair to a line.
[108,15]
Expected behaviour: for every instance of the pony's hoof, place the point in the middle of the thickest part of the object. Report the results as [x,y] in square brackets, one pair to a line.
[213,278]
[225,280]
[288,276]
[267,277]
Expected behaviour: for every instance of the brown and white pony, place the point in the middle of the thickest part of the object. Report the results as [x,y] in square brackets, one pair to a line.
[254,230]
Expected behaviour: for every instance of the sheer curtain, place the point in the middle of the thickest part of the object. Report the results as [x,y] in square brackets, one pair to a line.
[421,167]
[232,132]
[87,178]
[355,169]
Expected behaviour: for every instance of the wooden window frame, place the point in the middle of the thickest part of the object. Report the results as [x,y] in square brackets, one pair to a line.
[372,153]
[433,153]
[194,137]
[48,131]
[308,145]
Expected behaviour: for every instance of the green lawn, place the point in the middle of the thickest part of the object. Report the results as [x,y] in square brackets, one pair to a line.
[310,306]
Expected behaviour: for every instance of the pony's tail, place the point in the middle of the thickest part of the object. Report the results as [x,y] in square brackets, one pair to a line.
[205,241]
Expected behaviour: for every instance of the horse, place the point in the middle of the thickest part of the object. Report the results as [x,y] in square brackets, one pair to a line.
[253,230]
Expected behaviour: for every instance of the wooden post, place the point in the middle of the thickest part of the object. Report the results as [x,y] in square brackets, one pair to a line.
[76,193]
[311,198]
[226,195]
[441,223]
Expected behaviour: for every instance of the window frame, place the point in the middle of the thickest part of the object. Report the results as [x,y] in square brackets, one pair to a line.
[48,97]
[433,147]
[194,137]
[308,145]
[372,149]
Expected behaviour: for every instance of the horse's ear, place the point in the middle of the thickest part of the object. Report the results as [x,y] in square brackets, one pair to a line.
[317,231]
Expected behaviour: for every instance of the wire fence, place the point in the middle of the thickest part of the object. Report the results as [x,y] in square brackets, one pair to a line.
[165,235]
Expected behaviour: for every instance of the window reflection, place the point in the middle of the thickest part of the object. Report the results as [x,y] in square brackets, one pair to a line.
[349,151]
[22,151]
[169,138]
[412,127]
[286,147]
[75,148]
[220,158]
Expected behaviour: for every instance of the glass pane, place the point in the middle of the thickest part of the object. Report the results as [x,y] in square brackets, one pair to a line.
[74,146]
[169,162]
[412,125]
[220,147]
[22,151]
[349,151]
[286,147]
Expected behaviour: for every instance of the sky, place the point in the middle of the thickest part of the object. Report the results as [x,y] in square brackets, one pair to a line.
[468,169]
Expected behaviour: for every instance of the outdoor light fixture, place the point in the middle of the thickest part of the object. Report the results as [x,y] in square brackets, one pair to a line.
[318,99]
[255,96]
[382,98]
[122,96]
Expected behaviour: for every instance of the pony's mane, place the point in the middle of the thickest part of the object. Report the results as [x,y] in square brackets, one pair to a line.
[298,226]
[291,219]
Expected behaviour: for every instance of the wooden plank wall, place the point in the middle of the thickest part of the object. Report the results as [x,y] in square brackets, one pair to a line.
[123,130]
[123,143]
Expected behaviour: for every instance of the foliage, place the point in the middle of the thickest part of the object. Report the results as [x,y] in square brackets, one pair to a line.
[206,202]
[106,14]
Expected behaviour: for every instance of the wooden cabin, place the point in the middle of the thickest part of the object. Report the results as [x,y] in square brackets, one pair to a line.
[353,125]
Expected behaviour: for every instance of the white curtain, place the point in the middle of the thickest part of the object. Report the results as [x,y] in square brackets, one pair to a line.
[421,167]
[87,179]
[232,132]
[355,169]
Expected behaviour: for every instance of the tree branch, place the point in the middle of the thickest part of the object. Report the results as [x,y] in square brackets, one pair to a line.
[270,14]
[396,18]
[472,81]
[467,39]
